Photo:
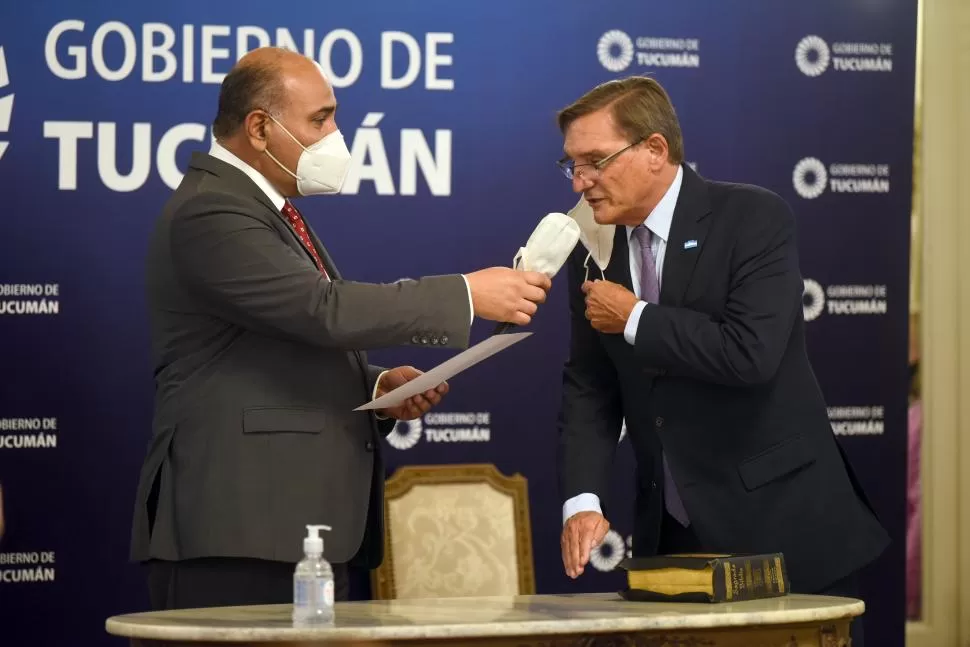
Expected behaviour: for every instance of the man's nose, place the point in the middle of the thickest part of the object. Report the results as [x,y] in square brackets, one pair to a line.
[581,183]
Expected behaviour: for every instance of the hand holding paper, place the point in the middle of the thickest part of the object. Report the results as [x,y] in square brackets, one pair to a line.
[444,371]
[415,406]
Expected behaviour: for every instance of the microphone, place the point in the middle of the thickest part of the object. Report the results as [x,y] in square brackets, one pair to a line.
[546,251]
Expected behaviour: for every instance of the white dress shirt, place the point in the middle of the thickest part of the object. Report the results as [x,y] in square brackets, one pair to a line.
[221,153]
[657,222]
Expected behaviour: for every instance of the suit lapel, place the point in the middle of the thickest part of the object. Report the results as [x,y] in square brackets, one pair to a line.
[685,243]
[297,243]
[216,166]
[294,238]
[328,263]
[324,256]
[230,173]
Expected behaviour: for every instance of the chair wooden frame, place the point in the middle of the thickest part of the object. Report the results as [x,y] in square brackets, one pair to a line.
[406,477]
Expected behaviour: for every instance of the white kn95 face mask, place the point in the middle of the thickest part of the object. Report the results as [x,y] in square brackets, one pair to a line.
[323,166]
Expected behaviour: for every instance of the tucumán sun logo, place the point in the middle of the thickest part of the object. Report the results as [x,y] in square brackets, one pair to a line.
[610,552]
[405,434]
[810,178]
[842,299]
[813,300]
[6,103]
[812,55]
[615,50]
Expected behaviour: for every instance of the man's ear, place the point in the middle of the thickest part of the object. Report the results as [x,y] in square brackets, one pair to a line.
[256,124]
[658,149]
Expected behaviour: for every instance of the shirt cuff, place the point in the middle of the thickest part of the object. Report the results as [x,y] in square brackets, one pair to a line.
[630,332]
[471,304]
[373,395]
[585,502]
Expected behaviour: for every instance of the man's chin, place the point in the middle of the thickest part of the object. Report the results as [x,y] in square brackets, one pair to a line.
[603,216]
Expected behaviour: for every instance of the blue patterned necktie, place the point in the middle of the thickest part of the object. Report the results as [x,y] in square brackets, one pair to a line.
[650,292]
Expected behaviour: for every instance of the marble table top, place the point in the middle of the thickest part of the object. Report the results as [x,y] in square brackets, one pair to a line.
[477,617]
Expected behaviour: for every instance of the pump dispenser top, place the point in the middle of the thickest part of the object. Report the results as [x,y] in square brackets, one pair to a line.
[313,543]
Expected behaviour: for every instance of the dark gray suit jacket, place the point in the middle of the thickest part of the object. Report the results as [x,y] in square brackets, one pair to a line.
[259,364]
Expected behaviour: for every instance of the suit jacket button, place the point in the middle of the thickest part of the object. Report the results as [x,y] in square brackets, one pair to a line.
[424,340]
[434,340]
[415,340]
[653,484]
[659,422]
[369,445]
[444,339]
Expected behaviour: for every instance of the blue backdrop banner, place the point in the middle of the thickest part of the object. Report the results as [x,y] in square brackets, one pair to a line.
[448,108]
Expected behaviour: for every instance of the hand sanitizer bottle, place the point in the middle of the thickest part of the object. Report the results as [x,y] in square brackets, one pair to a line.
[313,583]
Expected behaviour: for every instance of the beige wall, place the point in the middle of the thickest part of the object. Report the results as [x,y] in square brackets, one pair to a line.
[943,299]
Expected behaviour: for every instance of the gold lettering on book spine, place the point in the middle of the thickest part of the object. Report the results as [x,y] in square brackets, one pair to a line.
[728,583]
[781,578]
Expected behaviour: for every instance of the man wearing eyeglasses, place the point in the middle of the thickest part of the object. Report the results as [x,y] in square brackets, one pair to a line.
[694,336]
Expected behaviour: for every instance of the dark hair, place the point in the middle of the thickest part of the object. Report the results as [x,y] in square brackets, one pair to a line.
[247,88]
[640,106]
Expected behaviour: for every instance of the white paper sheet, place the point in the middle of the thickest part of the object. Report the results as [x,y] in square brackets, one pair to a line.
[446,370]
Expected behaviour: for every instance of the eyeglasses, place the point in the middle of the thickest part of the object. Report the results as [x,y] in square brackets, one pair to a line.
[571,169]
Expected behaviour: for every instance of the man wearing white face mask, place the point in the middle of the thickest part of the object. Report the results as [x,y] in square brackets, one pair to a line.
[258,345]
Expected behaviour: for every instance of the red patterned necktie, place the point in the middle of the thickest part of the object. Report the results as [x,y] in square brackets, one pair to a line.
[300,228]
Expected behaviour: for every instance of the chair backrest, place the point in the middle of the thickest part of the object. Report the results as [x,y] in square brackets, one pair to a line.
[455,531]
